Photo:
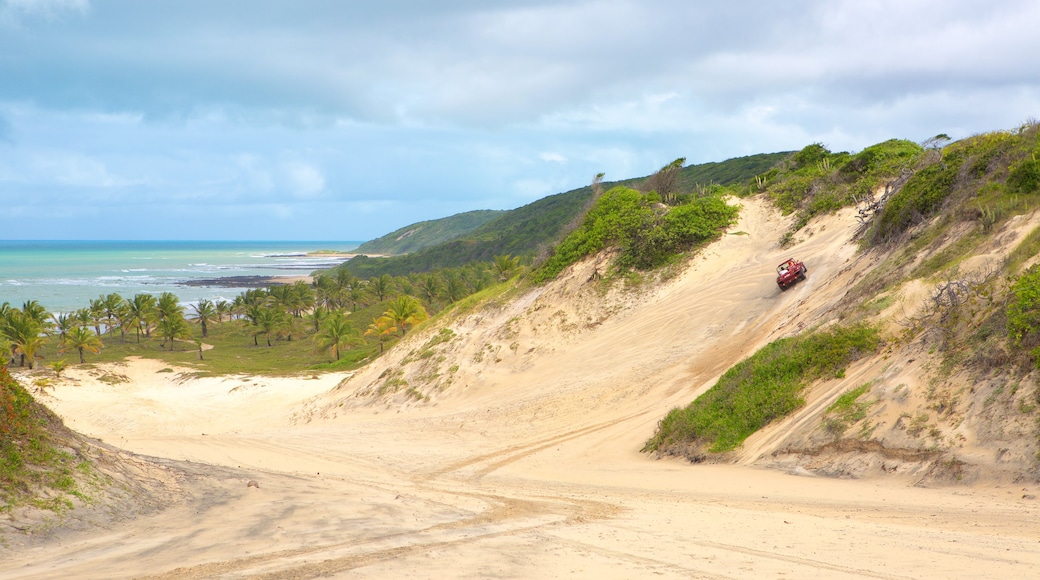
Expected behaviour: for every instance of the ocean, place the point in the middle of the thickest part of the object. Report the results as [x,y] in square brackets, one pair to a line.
[66,275]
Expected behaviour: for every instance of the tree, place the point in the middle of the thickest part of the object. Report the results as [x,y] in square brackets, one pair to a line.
[455,288]
[406,311]
[666,181]
[35,311]
[356,293]
[141,312]
[173,326]
[63,323]
[110,306]
[430,288]
[504,266]
[205,312]
[381,328]
[58,367]
[335,331]
[169,306]
[267,322]
[24,334]
[80,339]
[97,313]
[224,308]
[381,287]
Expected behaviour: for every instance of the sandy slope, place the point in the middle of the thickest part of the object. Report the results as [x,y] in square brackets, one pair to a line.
[526,464]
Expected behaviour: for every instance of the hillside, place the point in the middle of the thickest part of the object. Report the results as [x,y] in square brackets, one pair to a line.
[531,230]
[428,233]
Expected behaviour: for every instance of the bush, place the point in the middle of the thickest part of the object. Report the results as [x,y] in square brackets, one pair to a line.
[29,459]
[761,388]
[1023,312]
[1024,176]
[646,234]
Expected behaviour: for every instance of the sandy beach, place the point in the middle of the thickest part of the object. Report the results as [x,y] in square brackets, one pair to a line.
[523,461]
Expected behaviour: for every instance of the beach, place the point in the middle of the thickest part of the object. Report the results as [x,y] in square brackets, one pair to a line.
[516,454]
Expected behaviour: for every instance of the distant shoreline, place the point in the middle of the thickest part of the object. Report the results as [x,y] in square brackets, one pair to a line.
[246,281]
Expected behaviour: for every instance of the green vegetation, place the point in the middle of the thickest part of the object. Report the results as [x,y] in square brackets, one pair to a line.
[760,389]
[527,232]
[647,232]
[1023,313]
[278,330]
[847,410]
[428,233]
[816,181]
[32,466]
[987,171]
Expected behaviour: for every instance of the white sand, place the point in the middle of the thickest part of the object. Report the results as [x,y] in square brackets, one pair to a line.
[529,467]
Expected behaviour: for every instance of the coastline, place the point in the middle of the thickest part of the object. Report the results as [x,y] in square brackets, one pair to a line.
[246,281]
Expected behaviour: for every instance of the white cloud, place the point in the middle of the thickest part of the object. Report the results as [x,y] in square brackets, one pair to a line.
[305,180]
[553,157]
[13,10]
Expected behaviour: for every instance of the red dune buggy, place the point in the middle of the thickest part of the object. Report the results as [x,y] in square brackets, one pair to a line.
[789,272]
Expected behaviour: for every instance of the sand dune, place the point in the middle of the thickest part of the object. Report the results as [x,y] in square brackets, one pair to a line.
[526,463]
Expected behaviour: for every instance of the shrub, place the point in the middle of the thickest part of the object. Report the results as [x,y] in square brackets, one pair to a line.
[29,459]
[761,388]
[1023,312]
[646,235]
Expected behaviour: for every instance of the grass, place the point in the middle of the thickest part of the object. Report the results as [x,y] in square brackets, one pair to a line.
[33,468]
[847,410]
[233,352]
[762,388]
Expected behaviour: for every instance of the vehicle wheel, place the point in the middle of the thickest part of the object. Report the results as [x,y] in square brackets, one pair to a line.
[782,287]
[801,276]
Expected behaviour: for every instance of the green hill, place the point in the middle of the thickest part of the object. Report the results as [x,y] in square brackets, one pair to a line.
[534,228]
[429,233]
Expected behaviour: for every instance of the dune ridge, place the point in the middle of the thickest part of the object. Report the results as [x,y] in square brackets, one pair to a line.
[509,447]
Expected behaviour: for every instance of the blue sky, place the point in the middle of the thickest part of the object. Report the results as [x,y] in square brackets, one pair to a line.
[346,120]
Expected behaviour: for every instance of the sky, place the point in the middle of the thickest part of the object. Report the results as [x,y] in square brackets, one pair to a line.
[345,120]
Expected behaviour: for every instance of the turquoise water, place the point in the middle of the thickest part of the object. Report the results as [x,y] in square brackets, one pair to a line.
[65,275]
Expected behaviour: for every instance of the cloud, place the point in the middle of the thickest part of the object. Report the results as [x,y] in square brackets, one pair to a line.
[405,110]
[305,180]
[45,8]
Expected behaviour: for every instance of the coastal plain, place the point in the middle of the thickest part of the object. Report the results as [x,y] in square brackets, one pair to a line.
[527,463]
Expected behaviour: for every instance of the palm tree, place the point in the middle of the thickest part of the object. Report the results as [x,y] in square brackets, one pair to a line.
[110,305]
[172,327]
[504,266]
[224,308]
[406,311]
[382,286]
[169,305]
[454,287]
[83,317]
[430,288]
[327,293]
[205,312]
[97,313]
[356,292]
[141,312]
[318,315]
[267,321]
[34,310]
[81,339]
[25,336]
[381,328]
[335,331]
[63,323]
[58,367]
